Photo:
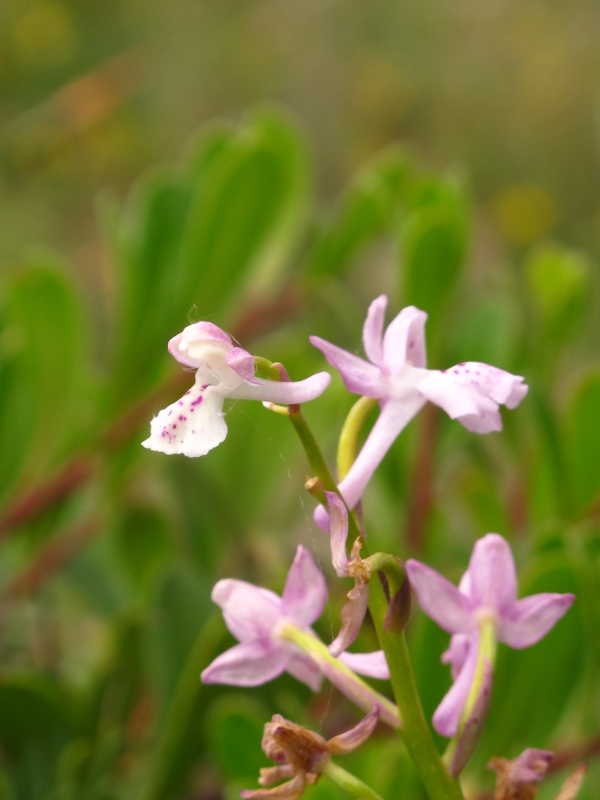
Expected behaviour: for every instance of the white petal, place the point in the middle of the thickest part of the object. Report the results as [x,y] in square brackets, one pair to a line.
[192,426]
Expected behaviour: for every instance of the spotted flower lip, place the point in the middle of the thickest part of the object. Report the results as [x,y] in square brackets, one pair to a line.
[397,376]
[487,592]
[195,424]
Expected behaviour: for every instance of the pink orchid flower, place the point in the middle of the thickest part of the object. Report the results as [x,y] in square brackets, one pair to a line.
[397,376]
[253,615]
[195,424]
[486,594]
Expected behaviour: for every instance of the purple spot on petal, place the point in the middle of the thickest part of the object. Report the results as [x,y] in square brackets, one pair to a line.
[462,363]
[206,385]
[181,418]
[173,426]
[456,371]
[180,402]
[170,412]
[197,401]
[188,391]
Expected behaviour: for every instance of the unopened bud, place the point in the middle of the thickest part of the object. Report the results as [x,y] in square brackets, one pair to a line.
[399,608]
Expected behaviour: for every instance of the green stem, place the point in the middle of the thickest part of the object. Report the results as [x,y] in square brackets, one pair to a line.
[415,731]
[313,451]
[340,675]
[349,436]
[349,782]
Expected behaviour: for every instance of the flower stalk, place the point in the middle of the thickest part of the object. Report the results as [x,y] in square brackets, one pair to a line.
[349,782]
[340,675]
[415,731]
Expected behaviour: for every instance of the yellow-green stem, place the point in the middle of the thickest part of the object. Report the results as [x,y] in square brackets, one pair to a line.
[349,436]
[349,782]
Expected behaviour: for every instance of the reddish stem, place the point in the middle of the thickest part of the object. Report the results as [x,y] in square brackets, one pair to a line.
[421,484]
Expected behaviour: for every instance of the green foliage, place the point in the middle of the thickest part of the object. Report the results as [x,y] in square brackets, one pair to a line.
[559,282]
[584,423]
[99,693]
[370,207]
[433,243]
[41,366]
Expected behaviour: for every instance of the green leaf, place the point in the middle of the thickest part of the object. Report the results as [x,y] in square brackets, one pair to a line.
[143,543]
[194,240]
[148,244]
[31,708]
[368,208]
[559,284]
[246,215]
[41,367]
[433,244]
[584,439]
[236,725]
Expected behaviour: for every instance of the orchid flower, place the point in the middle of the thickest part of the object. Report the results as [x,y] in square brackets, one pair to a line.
[396,375]
[261,621]
[303,755]
[253,615]
[483,608]
[195,424]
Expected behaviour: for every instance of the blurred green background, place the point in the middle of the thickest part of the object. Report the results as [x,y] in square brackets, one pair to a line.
[273,167]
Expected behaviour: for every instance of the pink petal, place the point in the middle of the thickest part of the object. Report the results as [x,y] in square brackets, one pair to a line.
[524,622]
[456,399]
[242,362]
[247,664]
[493,575]
[305,670]
[359,376]
[249,611]
[373,330]
[282,392]
[352,615]
[350,740]
[305,591]
[440,599]
[394,416]
[530,767]
[404,340]
[456,654]
[373,665]
[338,533]
[447,715]
[483,422]
[191,426]
[200,331]
[471,393]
